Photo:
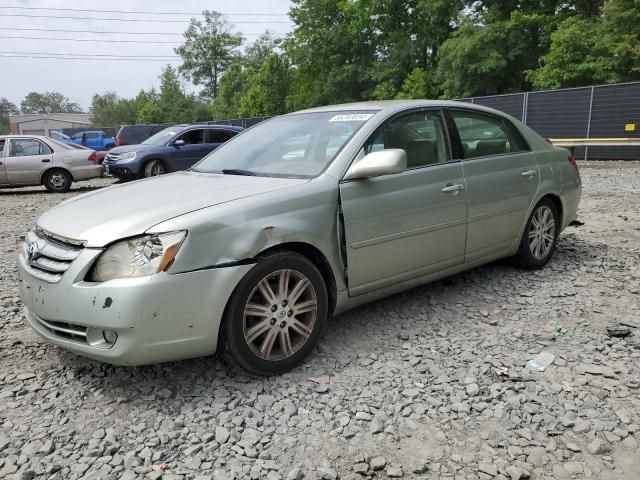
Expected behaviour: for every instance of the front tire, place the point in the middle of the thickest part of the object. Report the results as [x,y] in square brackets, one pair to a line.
[540,236]
[58,181]
[276,314]
[154,168]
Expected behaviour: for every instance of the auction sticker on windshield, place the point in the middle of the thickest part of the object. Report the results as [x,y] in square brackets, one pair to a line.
[351,117]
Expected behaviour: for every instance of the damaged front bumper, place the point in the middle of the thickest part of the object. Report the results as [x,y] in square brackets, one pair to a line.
[134,321]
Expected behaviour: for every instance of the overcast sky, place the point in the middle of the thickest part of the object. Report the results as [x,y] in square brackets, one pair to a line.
[79,79]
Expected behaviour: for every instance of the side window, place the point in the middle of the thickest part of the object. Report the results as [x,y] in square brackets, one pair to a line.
[92,136]
[193,137]
[420,134]
[23,147]
[218,136]
[1,145]
[486,135]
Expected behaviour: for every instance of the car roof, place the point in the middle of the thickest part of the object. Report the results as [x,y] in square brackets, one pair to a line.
[41,137]
[389,106]
[211,126]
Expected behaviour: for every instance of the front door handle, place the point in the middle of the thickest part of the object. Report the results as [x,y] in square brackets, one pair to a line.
[450,188]
[529,173]
[45,160]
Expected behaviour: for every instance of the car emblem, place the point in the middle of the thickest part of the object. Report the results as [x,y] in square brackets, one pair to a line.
[33,252]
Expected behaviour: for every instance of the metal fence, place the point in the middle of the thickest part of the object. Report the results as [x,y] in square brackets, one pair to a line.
[599,111]
[238,122]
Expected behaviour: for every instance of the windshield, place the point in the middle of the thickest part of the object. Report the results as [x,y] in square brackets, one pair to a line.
[299,145]
[163,136]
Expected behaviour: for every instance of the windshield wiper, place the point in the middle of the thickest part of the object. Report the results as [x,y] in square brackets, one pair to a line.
[238,171]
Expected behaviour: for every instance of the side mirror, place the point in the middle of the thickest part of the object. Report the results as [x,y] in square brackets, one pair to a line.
[178,143]
[377,164]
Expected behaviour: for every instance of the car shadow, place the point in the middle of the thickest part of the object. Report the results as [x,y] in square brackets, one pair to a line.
[339,346]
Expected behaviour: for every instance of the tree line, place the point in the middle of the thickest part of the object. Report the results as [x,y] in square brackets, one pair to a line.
[341,51]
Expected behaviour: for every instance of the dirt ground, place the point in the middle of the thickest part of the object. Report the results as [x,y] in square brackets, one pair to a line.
[430,383]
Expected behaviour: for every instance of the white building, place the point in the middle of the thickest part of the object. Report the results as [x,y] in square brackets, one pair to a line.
[44,123]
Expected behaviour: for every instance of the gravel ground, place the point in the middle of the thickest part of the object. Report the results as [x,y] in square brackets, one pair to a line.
[427,384]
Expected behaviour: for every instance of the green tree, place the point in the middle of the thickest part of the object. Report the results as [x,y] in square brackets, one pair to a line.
[331,50]
[584,51]
[48,102]
[6,108]
[173,104]
[416,85]
[110,110]
[148,110]
[267,94]
[233,84]
[209,48]
[260,50]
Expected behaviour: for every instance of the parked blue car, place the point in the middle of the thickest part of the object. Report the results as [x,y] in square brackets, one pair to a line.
[170,150]
[94,139]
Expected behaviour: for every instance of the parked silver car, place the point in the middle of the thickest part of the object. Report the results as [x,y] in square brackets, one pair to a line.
[27,160]
[298,218]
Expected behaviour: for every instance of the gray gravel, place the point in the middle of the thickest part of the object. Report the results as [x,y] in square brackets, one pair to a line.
[427,384]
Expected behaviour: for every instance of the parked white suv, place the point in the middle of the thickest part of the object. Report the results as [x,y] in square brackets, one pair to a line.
[27,160]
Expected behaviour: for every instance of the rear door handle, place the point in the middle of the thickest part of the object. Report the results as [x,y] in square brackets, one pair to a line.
[45,160]
[528,173]
[453,188]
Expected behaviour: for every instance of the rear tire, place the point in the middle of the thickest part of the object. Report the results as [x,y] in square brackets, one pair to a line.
[540,236]
[154,168]
[58,181]
[276,314]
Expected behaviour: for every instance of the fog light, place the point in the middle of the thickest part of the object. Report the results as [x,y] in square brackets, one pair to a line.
[99,338]
[109,336]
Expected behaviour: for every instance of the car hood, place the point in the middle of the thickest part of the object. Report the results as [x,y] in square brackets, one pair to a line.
[128,148]
[101,217]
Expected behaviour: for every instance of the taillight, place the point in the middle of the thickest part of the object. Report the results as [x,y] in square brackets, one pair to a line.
[573,161]
[118,142]
[93,157]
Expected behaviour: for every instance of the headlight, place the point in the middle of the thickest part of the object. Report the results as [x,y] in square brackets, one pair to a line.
[137,257]
[127,156]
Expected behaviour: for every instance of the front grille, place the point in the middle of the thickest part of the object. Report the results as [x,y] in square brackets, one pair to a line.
[47,256]
[109,159]
[64,330]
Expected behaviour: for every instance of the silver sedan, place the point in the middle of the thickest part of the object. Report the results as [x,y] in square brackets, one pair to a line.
[298,218]
[28,160]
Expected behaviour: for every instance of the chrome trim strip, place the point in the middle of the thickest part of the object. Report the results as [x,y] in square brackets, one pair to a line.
[408,233]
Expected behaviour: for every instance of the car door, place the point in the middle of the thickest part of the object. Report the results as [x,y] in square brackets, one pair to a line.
[184,156]
[3,175]
[402,226]
[93,141]
[25,160]
[502,179]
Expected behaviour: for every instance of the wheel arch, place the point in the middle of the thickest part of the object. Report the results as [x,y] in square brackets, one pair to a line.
[146,161]
[557,202]
[315,256]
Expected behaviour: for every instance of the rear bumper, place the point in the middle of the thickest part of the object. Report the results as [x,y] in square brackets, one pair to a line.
[86,173]
[158,318]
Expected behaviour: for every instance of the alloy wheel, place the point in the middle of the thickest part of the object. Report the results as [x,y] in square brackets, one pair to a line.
[280,315]
[58,181]
[157,169]
[542,232]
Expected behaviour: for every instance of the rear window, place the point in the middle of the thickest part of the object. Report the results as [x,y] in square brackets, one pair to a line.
[218,136]
[65,145]
[134,134]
